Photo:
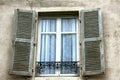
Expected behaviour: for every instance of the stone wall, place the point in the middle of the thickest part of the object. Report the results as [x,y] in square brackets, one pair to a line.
[111,26]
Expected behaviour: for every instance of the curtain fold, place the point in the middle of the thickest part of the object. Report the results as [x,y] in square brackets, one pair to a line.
[68,25]
[68,48]
[48,25]
[48,46]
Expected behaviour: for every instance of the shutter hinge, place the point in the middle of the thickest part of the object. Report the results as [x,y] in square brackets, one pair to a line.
[80,43]
[80,20]
[36,20]
[81,68]
[32,70]
[34,43]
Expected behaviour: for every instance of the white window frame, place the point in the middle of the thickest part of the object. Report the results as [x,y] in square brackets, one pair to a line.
[58,34]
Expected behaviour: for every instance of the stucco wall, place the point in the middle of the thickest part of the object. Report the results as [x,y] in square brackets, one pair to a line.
[111,26]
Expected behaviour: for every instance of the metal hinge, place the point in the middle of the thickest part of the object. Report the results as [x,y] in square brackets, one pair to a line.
[80,43]
[80,20]
[32,70]
[34,43]
[36,19]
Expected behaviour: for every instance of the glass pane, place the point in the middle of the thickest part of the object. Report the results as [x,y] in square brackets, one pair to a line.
[68,24]
[48,25]
[68,47]
[69,54]
[48,50]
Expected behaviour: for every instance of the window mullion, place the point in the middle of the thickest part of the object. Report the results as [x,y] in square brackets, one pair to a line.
[58,43]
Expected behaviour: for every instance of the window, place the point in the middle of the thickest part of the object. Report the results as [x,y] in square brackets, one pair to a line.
[57,46]
[59,49]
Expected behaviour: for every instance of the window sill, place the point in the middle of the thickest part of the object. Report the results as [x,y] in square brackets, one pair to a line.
[57,75]
[57,78]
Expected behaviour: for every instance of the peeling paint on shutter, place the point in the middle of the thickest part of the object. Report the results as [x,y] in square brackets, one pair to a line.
[92,42]
[22,50]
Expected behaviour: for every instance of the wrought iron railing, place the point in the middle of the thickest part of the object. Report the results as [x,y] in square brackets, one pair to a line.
[65,67]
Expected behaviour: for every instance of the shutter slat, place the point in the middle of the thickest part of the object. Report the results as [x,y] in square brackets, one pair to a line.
[90,24]
[92,55]
[24,25]
[22,51]
[92,42]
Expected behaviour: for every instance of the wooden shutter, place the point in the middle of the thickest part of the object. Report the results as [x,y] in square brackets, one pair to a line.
[22,45]
[92,42]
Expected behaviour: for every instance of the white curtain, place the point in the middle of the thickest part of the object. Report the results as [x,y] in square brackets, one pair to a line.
[68,47]
[48,25]
[48,46]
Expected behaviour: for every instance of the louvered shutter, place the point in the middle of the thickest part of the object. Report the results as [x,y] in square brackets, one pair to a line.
[22,46]
[92,42]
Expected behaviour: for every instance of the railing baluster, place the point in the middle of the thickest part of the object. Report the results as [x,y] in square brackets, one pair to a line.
[66,67]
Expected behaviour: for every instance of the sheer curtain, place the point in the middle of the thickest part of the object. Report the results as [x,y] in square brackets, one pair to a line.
[48,46]
[68,47]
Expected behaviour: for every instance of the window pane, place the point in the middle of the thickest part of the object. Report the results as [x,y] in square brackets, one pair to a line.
[68,24]
[48,25]
[69,54]
[68,47]
[48,50]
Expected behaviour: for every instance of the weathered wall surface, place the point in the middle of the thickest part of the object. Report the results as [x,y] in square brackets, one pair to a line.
[111,26]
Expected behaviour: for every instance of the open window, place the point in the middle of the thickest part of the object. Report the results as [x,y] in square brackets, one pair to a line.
[57,44]
[60,38]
